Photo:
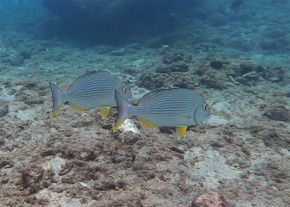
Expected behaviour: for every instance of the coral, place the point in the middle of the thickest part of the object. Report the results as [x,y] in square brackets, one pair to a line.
[216,64]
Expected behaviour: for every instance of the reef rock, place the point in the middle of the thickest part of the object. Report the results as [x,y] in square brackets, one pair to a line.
[3,108]
[278,113]
[153,81]
[210,199]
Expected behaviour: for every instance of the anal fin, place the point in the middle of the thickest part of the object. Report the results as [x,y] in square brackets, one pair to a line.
[77,108]
[105,111]
[148,124]
[181,131]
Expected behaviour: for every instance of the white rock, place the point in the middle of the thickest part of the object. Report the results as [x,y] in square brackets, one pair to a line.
[219,106]
[129,125]
[216,120]
[57,164]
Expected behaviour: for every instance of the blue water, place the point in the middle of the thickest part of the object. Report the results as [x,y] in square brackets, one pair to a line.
[235,54]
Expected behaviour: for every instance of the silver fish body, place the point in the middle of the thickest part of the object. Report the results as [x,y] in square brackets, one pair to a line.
[170,107]
[92,90]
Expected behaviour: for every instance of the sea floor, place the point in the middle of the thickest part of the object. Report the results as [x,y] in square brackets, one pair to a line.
[239,157]
[74,159]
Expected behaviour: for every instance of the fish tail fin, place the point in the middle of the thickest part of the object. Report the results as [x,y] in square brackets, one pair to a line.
[123,110]
[57,98]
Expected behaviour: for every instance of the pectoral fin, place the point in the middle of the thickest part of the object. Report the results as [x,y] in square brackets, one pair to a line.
[77,108]
[181,131]
[148,124]
[105,111]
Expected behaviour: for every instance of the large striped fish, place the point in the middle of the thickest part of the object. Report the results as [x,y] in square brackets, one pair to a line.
[92,90]
[171,107]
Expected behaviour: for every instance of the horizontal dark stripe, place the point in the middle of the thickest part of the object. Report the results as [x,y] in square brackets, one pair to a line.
[93,88]
[110,80]
[91,76]
[93,84]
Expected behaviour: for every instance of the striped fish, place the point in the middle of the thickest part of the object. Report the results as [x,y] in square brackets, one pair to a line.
[170,107]
[92,90]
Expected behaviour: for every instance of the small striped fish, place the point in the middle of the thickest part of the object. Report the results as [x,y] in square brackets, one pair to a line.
[171,107]
[92,90]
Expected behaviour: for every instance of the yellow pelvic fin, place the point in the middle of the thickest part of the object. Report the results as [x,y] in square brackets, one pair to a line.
[148,124]
[181,131]
[52,115]
[77,108]
[118,125]
[105,112]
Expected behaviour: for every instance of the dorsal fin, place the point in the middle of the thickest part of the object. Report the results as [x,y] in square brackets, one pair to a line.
[86,76]
[150,95]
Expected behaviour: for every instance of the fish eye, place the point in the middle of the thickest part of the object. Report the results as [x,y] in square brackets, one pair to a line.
[205,106]
[125,90]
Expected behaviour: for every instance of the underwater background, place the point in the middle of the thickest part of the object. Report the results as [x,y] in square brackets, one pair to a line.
[234,53]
